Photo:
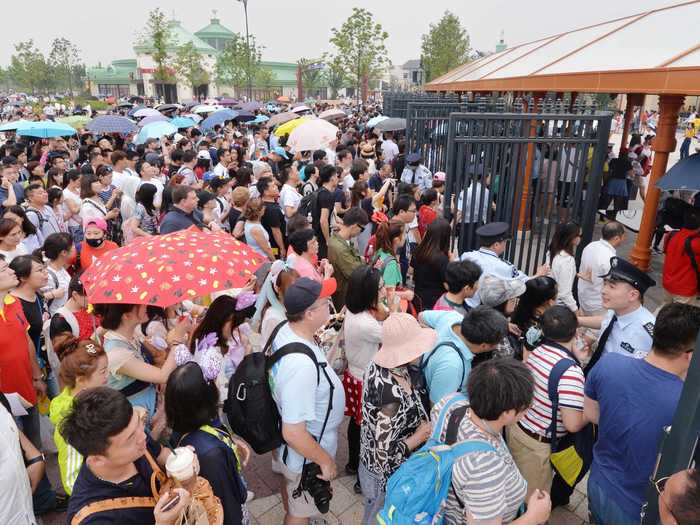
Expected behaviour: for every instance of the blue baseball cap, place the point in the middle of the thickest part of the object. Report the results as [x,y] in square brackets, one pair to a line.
[280,151]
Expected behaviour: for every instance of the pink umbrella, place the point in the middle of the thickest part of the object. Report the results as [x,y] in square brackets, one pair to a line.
[333,114]
[312,135]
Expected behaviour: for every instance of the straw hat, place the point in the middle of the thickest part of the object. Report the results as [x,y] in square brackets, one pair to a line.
[403,340]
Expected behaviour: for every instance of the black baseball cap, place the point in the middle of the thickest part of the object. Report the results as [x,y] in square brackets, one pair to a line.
[304,292]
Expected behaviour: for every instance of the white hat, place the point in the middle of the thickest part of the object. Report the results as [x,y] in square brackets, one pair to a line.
[204,154]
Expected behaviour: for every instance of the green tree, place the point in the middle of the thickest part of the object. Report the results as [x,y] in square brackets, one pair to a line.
[444,47]
[335,75]
[311,78]
[29,69]
[265,78]
[360,48]
[189,65]
[65,61]
[232,63]
[158,37]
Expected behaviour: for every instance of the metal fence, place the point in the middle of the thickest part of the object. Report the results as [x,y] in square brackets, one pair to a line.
[531,170]
[395,103]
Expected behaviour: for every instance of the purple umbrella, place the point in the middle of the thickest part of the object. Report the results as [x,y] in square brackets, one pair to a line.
[227,101]
[251,106]
[153,118]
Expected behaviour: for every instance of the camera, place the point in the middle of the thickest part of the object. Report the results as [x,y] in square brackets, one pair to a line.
[319,489]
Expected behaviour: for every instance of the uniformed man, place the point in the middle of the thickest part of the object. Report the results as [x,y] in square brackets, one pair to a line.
[492,239]
[416,173]
[628,327]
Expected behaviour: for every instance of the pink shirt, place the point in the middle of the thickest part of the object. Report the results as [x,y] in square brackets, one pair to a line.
[303,267]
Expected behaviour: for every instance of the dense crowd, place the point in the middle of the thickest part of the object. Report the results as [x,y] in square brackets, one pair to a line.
[362,308]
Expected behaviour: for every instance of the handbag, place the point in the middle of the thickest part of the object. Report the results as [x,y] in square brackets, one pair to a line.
[336,354]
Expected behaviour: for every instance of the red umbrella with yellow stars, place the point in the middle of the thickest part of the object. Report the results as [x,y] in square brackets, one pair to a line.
[166,269]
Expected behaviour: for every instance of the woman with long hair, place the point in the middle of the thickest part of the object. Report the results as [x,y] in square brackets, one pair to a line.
[83,366]
[269,307]
[255,235]
[223,327]
[562,250]
[389,239]
[56,203]
[71,204]
[540,294]
[91,206]
[59,253]
[430,261]
[11,236]
[31,239]
[144,223]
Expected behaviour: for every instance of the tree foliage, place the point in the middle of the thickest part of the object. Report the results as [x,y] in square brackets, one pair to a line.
[232,63]
[29,69]
[360,47]
[159,37]
[190,66]
[444,47]
[311,78]
[336,78]
[65,61]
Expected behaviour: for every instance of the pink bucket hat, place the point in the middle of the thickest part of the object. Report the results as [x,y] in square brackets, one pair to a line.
[403,340]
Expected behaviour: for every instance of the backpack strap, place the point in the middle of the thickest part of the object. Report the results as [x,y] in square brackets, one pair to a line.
[558,370]
[424,362]
[293,348]
[111,504]
[273,334]
[688,246]
[437,429]
[453,422]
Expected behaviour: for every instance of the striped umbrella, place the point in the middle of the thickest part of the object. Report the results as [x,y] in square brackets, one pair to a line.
[111,124]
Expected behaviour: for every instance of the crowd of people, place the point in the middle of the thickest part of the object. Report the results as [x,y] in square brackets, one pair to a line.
[363,308]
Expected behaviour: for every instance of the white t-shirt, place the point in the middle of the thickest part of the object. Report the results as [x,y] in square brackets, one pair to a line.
[292,380]
[68,195]
[363,335]
[220,170]
[20,250]
[348,182]
[15,492]
[390,150]
[289,196]
[57,279]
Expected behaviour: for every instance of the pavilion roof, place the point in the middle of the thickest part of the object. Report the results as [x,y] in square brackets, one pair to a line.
[657,51]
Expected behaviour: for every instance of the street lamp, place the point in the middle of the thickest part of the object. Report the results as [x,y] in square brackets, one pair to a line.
[247,42]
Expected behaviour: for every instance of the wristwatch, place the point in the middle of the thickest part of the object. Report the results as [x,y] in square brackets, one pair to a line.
[36,459]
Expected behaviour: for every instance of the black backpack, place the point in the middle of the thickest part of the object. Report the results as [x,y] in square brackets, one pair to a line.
[252,412]
[309,205]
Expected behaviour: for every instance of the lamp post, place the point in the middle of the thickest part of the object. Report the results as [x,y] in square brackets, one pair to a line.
[247,42]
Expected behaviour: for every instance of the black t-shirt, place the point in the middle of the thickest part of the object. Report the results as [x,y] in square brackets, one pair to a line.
[233,217]
[375,182]
[89,488]
[326,200]
[429,277]
[34,312]
[273,218]
[619,168]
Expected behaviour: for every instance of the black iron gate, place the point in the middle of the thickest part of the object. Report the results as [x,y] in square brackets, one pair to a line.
[531,170]
[395,103]
[426,131]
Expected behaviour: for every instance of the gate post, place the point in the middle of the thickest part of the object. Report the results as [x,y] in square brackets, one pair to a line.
[523,219]
[633,100]
[664,143]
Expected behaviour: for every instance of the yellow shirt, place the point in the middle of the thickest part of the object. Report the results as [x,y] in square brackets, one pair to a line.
[689,133]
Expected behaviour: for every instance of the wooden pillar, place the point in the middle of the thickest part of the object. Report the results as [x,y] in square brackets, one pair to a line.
[664,144]
[633,100]
[300,85]
[572,102]
[524,218]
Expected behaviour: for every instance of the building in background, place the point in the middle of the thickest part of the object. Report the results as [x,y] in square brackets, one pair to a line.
[135,76]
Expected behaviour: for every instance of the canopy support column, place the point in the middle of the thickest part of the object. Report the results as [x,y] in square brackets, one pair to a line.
[664,144]
[524,219]
[633,100]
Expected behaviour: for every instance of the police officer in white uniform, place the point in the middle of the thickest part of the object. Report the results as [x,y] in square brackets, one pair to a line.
[628,327]
[492,238]
[416,173]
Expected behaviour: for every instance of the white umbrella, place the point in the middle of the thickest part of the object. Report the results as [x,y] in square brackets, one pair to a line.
[312,135]
[333,114]
[146,112]
[301,108]
[206,108]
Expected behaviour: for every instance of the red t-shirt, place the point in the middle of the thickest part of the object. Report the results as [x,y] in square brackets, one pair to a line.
[426,215]
[679,278]
[88,253]
[15,367]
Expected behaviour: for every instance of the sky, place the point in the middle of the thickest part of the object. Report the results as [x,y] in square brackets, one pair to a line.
[289,30]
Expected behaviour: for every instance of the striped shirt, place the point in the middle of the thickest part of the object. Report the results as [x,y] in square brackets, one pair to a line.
[538,418]
[489,484]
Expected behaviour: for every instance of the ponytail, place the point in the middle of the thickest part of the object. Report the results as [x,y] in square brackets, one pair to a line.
[386,233]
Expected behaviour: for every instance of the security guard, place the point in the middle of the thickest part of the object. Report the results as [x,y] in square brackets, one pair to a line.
[492,239]
[628,327]
[416,173]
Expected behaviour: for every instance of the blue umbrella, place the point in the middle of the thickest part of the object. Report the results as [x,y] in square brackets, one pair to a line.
[183,122]
[684,175]
[244,116]
[45,129]
[218,117]
[11,126]
[155,130]
[111,124]
[153,118]
[259,119]
[134,110]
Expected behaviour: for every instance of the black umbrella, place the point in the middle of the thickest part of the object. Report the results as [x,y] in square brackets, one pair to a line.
[684,175]
[391,124]
[125,105]
[244,116]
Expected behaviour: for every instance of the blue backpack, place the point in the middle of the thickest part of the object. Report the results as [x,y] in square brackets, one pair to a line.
[416,492]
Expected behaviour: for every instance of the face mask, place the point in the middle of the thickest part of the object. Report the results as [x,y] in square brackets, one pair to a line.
[95,243]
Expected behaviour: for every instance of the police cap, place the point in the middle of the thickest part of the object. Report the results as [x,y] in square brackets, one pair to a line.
[494,232]
[625,271]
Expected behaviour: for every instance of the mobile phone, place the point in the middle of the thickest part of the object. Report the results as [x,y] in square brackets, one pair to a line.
[171,504]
